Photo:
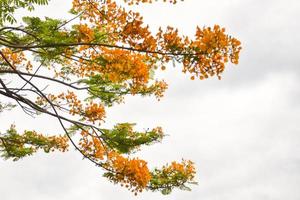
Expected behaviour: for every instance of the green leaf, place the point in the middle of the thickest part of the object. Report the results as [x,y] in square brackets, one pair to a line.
[166,191]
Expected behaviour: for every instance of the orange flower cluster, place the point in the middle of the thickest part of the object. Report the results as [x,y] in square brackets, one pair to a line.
[92,146]
[94,112]
[186,168]
[134,173]
[213,48]
[16,59]
[203,56]
[131,173]
[86,34]
[118,65]
[170,41]
[122,65]
[74,103]
[59,143]
[99,148]
[120,25]
[134,33]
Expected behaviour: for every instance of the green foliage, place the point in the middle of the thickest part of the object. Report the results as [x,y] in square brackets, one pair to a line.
[105,90]
[8,7]
[16,146]
[12,145]
[47,32]
[123,139]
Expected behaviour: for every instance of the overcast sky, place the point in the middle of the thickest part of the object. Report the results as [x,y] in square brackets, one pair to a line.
[242,132]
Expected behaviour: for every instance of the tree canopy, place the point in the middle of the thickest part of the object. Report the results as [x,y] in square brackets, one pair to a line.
[91,62]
